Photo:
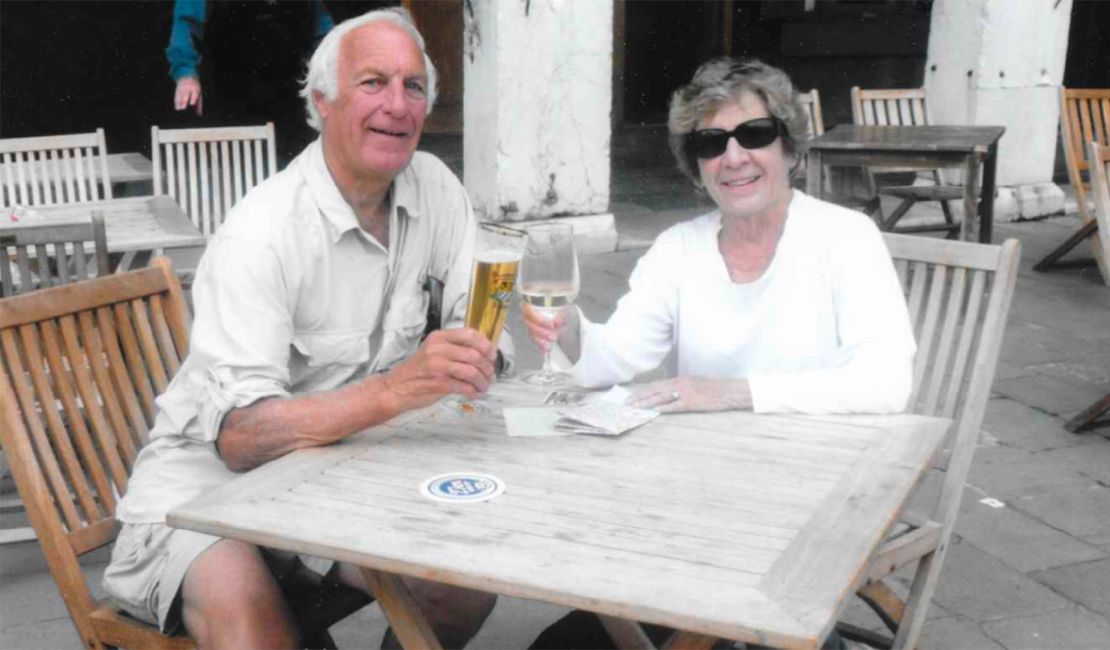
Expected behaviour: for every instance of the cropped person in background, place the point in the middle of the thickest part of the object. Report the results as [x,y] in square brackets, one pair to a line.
[241,62]
[775,301]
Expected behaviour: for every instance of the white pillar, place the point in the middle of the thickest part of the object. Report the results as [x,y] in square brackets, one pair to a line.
[1002,62]
[536,112]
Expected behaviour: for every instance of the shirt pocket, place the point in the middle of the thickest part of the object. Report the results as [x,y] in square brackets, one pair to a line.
[325,349]
[402,329]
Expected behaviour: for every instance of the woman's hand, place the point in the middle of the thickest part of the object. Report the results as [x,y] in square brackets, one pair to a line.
[693,394]
[543,328]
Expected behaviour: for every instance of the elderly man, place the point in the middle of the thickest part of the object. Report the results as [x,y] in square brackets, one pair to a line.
[309,318]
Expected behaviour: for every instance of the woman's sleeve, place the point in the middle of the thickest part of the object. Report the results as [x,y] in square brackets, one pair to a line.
[874,373]
[639,334]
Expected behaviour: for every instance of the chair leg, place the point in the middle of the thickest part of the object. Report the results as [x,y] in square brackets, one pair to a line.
[1089,417]
[886,604]
[898,213]
[917,603]
[1050,261]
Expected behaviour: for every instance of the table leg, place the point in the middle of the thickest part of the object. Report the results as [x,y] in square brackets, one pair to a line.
[625,633]
[399,607]
[986,201]
[970,226]
[814,171]
[690,641]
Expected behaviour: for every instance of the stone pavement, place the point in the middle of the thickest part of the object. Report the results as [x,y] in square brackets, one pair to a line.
[1030,563]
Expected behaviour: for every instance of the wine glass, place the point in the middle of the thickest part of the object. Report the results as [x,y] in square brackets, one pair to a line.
[549,283]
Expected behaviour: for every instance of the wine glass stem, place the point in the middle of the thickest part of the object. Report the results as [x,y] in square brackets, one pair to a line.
[546,372]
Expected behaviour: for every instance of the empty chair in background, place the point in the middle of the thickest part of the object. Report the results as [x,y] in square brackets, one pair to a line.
[43,255]
[1084,118]
[208,170]
[903,107]
[54,169]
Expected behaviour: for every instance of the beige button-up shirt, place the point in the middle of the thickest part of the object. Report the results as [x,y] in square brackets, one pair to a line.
[293,297]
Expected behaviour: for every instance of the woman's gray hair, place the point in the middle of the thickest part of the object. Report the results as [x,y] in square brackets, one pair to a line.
[323,68]
[722,80]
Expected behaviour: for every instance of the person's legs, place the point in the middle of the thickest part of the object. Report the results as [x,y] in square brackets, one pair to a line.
[455,614]
[230,599]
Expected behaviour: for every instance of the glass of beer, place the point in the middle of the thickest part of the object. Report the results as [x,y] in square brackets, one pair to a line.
[496,259]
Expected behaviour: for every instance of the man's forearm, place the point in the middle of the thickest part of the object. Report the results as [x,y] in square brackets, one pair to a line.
[256,434]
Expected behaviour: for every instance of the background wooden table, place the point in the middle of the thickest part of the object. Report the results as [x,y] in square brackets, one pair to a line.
[731,524]
[921,147]
[138,225]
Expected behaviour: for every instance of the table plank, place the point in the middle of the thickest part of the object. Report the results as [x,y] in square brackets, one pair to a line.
[141,223]
[953,139]
[705,522]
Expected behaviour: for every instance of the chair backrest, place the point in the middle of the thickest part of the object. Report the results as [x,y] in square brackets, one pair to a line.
[208,170]
[54,169]
[80,366]
[811,101]
[889,106]
[49,255]
[1098,156]
[959,296]
[1084,117]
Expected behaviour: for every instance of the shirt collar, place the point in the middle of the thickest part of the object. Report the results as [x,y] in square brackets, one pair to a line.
[403,195]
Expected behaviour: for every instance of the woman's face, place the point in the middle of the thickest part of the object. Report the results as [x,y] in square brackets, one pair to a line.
[745,183]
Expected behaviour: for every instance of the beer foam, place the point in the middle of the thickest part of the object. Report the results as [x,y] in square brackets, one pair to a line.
[499,256]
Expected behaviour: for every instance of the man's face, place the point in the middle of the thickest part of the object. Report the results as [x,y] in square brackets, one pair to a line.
[372,126]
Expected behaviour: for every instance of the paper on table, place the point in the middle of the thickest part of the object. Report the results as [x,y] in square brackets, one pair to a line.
[603,418]
[532,422]
[541,421]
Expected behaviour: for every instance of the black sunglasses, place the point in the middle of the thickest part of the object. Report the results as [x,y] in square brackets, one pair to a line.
[753,134]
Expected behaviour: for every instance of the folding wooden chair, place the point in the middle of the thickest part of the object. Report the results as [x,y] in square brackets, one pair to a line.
[54,169]
[50,255]
[208,170]
[1099,157]
[80,366]
[959,297]
[1084,118]
[903,107]
[815,122]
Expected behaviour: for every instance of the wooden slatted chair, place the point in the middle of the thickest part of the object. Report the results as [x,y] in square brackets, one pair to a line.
[38,257]
[1099,157]
[80,366]
[1084,118]
[54,169]
[49,255]
[903,107]
[959,296]
[815,121]
[815,124]
[208,170]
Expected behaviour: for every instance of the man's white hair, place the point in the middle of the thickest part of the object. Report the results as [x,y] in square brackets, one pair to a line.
[323,68]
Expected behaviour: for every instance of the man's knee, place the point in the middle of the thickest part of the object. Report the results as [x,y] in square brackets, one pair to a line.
[230,598]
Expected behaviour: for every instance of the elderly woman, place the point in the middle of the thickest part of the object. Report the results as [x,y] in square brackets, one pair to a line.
[776,301]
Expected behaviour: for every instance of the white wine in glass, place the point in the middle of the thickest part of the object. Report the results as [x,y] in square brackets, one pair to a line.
[549,282]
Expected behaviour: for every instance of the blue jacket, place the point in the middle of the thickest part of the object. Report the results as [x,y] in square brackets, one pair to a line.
[189,17]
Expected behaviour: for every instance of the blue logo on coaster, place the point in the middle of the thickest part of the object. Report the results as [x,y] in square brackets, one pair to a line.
[462,487]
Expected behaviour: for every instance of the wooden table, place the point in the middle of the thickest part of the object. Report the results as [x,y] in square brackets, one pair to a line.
[919,147]
[135,227]
[733,525]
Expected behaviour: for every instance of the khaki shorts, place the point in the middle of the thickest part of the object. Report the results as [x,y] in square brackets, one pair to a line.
[148,565]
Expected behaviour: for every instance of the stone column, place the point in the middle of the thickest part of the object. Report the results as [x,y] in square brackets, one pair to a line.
[1002,62]
[536,112]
